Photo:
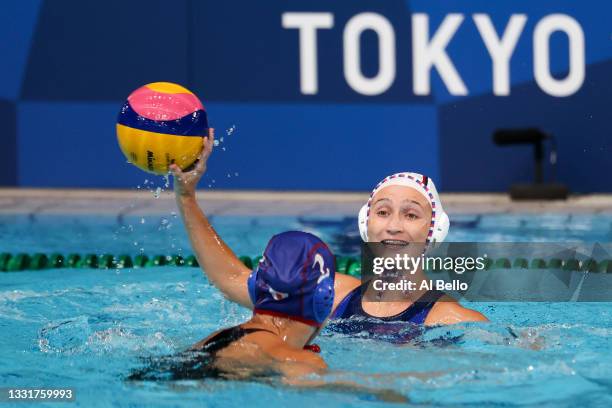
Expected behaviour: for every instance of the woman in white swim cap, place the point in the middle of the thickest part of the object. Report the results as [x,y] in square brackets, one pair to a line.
[403,208]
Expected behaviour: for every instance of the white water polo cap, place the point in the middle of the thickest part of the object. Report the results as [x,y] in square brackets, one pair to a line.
[440,223]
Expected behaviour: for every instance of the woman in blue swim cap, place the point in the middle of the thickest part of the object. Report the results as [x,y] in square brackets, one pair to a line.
[292,290]
[399,209]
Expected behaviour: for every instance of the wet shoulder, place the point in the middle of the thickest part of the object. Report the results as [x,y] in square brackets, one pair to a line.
[343,286]
[448,311]
[249,351]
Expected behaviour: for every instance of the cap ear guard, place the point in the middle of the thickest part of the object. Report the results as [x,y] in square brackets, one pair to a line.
[441,228]
[323,300]
[363,222]
[323,297]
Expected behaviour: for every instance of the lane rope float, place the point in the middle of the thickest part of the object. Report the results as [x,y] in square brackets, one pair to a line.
[344,264]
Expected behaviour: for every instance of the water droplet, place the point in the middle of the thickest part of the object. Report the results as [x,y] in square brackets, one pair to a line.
[236,174]
[223,148]
[173,214]
[216,143]
[157,192]
[142,220]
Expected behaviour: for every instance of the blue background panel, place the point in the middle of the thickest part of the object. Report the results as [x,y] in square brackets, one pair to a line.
[17,23]
[8,138]
[471,58]
[102,50]
[71,145]
[313,147]
[250,54]
[300,146]
[70,65]
[581,125]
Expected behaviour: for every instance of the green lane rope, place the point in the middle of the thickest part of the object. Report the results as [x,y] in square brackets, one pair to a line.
[344,264]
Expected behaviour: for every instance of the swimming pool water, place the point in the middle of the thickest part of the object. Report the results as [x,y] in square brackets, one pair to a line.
[87,329]
[248,235]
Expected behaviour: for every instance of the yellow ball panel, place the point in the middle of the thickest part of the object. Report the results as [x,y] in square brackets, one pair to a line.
[154,152]
[168,87]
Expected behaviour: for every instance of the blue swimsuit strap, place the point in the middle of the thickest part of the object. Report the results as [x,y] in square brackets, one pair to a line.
[416,313]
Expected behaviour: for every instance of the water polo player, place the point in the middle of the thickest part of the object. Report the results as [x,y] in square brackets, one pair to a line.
[400,209]
[403,208]
[292,291]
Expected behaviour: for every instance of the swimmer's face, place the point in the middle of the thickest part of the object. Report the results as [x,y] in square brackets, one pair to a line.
[399,214]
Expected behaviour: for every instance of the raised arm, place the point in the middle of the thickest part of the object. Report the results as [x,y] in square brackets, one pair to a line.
[217,260]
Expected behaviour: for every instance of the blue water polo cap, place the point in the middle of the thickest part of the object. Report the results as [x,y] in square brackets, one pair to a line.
[294,279]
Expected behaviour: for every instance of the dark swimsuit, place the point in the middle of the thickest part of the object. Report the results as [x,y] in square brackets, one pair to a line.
[350,318]
[193,364]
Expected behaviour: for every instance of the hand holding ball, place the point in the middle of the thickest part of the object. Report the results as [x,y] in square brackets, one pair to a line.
[160,124]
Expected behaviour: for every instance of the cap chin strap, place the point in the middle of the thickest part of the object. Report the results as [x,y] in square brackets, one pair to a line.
[313,336]
[442,223]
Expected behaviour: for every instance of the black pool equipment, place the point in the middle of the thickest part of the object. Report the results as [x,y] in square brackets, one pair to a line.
[538,190]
